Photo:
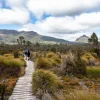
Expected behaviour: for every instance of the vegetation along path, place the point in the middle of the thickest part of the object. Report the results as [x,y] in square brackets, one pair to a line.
[23,88]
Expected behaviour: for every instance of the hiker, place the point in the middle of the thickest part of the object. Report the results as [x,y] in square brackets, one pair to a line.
[28,54]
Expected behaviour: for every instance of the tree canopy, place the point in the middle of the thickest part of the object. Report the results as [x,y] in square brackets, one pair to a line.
[93,39]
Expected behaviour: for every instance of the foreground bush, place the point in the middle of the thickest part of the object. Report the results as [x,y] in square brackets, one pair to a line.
[43,63]
[93,72]
[44,81]
[83,95]
[10,67]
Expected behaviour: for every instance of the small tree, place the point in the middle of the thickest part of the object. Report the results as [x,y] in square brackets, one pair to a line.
[29,43]
[24,42]
[20,40]
[37,44]
[94,39]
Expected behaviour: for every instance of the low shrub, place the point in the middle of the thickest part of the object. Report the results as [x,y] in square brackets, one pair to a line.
[93,72]
[44,81]
[43,63]
[83,95]
[10,67]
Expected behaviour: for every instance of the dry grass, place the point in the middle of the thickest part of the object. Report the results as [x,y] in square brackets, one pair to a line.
[83,95]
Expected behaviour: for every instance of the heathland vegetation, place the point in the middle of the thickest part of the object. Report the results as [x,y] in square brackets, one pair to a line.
[11,68]
[62,71]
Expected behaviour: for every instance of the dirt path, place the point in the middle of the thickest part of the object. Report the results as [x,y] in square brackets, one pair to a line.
[23,88]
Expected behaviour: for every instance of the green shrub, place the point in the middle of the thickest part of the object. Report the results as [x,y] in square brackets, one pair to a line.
[43,63]
[2,91]
[83,95]
[16,54]
[93,72]
[80,67]
[96,50]
[44,80]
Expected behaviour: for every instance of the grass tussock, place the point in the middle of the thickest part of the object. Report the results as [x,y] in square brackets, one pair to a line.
[57,60]
[83,95]
[50,55]
[47,61]
[43,63]
[88,58]
[44,81]
[93,72]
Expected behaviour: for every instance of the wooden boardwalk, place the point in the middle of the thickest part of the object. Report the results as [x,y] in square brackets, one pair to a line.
[23,88]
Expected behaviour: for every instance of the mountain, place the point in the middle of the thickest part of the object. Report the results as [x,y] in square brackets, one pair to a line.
[11,36]
[82,39]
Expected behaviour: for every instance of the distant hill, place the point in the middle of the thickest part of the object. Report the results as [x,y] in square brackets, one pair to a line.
[11,36]
[82,39]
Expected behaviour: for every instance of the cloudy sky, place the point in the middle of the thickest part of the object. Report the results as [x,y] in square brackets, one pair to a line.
[66,19]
